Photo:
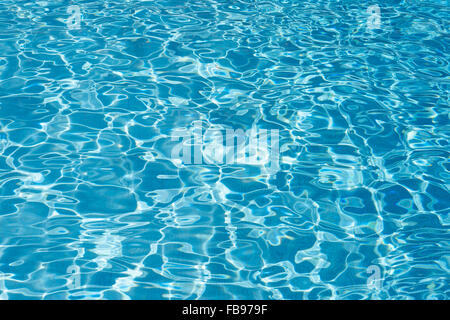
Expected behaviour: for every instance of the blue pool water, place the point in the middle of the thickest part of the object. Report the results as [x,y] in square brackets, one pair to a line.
[94,205]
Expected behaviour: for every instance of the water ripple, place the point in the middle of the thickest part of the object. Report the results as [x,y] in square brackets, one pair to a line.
[93,206]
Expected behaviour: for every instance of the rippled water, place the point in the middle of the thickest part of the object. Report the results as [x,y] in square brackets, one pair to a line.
[92,205]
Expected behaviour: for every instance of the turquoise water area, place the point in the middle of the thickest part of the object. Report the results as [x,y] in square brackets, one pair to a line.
[93,204]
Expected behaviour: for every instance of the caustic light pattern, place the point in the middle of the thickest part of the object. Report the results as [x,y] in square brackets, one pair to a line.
[347,198]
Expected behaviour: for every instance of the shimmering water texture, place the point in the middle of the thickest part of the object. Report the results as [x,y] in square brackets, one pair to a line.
[93,205]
